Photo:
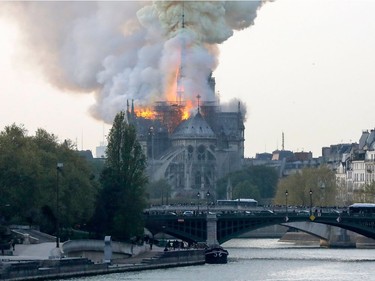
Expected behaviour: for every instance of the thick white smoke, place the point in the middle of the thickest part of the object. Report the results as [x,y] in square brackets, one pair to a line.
[128,50]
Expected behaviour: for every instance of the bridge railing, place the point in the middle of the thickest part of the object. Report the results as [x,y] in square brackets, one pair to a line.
[182,210]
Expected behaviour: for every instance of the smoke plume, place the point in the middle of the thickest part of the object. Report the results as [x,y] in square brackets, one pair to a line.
[128,50]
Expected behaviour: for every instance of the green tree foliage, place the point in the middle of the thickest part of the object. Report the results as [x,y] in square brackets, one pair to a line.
[246,189]
[159,191]
[369,193]
[122,198]
[321,181]
[28,180]
[365,195]
[258,182]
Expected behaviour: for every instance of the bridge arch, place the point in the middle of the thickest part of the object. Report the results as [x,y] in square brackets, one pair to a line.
[321,231]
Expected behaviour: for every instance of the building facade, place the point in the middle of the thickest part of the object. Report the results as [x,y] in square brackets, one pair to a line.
[354,165]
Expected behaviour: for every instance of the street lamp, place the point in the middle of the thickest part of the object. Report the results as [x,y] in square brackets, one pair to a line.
[162,195]
[207,196]
[198,196]
[58,170]
[152,142]
[310,201]
[286,202]
[151,133]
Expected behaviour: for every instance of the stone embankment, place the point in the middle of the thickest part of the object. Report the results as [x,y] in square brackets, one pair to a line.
[25,268]
[354,241]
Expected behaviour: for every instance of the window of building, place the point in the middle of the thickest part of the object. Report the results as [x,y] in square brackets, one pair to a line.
[201,153]
[190,150]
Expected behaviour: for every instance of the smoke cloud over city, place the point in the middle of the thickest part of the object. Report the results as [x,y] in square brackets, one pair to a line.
[131,50]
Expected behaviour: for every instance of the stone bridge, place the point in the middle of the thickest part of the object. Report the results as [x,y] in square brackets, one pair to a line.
[218,228]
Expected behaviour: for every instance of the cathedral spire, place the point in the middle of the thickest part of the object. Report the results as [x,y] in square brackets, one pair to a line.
[183,15]
[181,72]
[198,99]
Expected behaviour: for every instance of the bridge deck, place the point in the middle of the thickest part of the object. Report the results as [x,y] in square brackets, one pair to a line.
[232,223]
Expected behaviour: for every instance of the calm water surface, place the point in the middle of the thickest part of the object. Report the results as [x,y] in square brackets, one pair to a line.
[266,260]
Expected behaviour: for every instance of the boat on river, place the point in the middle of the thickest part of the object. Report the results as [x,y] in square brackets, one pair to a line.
[215,254]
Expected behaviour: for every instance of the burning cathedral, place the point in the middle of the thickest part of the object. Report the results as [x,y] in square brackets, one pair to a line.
[190,150]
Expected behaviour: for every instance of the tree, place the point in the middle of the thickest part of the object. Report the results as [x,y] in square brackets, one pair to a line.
[259,181]
[246,189]
[367,194]
[122,199]
[28,180]
[159,191]
[321,181]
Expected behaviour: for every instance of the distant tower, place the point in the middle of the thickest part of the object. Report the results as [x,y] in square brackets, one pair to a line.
[282,141]
[127,109]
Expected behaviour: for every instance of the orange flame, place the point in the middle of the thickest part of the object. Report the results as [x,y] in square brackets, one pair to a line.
[187,109]
[171,87]
[146,113]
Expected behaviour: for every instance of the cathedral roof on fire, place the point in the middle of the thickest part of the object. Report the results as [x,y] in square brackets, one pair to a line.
[194,127]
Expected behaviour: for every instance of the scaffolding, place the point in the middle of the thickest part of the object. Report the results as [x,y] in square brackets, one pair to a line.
[169,113]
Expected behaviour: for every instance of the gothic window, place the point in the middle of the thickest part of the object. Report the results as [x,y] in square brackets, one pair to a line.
[190,150]
[201,153]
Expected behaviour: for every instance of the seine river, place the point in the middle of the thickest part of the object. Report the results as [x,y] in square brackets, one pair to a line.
[266,260]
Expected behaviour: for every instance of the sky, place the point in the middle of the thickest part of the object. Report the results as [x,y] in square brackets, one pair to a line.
[305,68]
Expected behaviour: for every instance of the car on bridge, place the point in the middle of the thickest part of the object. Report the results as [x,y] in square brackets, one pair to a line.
[188,213]
[266,212]
[303,213]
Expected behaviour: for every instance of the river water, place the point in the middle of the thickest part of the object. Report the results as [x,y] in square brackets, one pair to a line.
[266,260]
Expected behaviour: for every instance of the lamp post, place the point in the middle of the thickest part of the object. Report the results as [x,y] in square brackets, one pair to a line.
[286,202]
[152,143]
[198,196]
[310,192]
[164,242]
[162,195]
[58,170]
[207,196]
[151,132]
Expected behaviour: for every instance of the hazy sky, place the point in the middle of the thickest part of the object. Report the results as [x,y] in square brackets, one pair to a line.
[305,68]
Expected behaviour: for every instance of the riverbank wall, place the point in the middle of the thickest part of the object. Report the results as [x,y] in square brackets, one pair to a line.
[76,267]
[354,241]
